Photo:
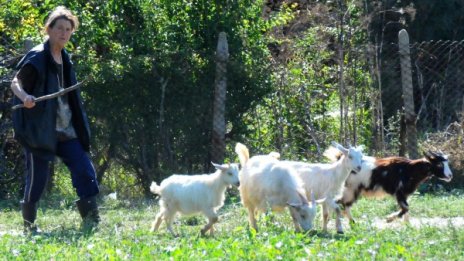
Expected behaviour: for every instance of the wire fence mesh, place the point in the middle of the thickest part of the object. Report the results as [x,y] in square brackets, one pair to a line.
[438,82]
[436,72]
[438,96]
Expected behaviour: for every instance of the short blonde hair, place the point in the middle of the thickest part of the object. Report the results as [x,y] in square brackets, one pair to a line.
[61,12]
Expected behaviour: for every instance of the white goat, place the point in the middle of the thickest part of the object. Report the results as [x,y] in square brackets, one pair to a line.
[326,180]
[265,182]
[191,194]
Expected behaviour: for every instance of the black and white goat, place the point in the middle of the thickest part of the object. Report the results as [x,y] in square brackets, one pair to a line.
[397,176]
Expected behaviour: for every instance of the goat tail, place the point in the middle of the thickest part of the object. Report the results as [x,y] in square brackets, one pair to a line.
[242,152]
[333,154]
[155,189]
[275,155]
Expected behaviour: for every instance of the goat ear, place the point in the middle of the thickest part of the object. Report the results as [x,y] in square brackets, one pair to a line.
[220,167]
[340,147]
[294,205]
[429,155]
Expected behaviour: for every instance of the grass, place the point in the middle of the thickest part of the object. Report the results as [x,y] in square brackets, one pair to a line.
[124,234]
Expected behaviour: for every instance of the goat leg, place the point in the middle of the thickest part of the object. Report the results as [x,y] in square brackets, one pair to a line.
[169,226]
[401,199]
[347,213]
[212,218]
[325,215]
[157,222]
[339,221]
[404,209]
[338,213]
[168,219]
[252,219]
[211,231]
[393,216]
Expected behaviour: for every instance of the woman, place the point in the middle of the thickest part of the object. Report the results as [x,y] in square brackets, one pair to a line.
[55,127]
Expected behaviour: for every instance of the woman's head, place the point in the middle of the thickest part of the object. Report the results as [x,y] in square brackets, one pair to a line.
[60,25]
[61,12]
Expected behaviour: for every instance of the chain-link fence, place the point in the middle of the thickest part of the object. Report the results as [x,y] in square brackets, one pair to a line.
[438,86]
[434,72]
[438,68]
[436,92]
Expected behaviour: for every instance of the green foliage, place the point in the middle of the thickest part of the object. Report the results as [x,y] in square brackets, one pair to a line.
[152,65]
[22,19]
[165,44]
[302,115]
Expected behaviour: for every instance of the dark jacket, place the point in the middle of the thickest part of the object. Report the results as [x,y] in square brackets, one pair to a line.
[35,128]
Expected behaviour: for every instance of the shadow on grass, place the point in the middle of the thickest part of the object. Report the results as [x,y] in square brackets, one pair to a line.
[62,234]
[329,235]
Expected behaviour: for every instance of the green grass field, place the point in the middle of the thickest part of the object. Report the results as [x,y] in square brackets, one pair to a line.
[436,232]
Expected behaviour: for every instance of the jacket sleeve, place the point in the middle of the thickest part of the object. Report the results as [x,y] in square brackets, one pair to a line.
[27,76]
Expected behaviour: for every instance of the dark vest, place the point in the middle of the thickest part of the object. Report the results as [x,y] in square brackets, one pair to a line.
[35,128]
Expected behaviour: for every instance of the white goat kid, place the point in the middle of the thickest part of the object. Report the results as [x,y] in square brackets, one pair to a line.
[326,180]
[191,194]
[265,182]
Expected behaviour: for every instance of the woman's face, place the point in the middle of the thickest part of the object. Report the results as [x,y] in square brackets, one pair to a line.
[60,33]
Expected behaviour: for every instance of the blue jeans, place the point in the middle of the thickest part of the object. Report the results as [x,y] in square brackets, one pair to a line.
[75,158]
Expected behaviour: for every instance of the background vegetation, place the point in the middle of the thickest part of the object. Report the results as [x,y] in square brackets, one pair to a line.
[299,76]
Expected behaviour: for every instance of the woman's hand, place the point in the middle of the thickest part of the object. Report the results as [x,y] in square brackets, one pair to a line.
[29,101]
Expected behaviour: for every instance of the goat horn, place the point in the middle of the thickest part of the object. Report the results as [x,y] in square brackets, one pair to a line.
[427,154]
[313,199]
[303,199]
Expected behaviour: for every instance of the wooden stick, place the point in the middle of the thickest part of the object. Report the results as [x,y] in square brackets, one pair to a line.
[51,96]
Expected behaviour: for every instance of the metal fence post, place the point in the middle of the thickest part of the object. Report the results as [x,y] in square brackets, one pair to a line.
[408,99]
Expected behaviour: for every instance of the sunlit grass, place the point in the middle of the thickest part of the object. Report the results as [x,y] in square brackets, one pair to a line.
[124,234]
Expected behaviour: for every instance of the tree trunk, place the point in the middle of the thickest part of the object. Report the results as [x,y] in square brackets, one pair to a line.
[220,90]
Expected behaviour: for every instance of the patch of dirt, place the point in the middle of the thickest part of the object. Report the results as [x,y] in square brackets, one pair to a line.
[376,223]
[10,232]
[420,222]
[416,222]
